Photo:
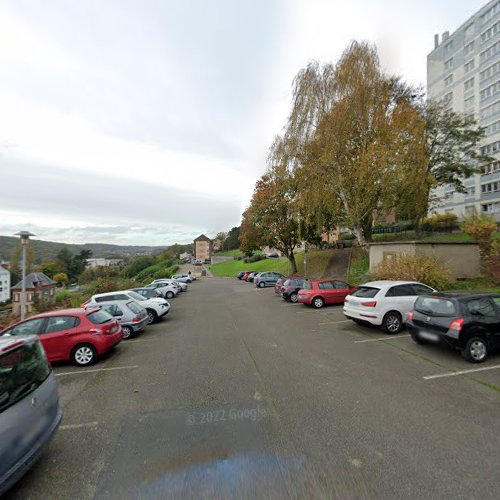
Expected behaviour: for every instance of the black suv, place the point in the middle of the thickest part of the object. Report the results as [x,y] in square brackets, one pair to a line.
[469,323]
[290,288]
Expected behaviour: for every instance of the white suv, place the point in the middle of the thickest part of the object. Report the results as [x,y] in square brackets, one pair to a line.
[179,284]
[384,303]
[155,307]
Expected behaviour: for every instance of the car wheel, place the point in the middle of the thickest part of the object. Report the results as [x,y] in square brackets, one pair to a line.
[318,302]
[476,350]
[417,338]
[127,332]
[170,295]
[293,297]
[392,322]
[152,316]
[84,355]
[262,284]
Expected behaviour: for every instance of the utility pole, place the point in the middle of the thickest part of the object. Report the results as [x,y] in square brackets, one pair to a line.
[305,259]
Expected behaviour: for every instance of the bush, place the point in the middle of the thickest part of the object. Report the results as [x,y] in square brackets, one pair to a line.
[63,296]
[137,266]
[347,237]
[444,222]
[254,258]
[481,228]
[414,268]
[92,273]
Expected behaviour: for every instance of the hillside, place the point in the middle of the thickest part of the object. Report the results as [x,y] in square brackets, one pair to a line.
[45,250]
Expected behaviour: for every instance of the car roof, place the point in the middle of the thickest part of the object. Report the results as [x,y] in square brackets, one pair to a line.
[388,283]
[110,293]
[114,302]
[465,295]
[61,312]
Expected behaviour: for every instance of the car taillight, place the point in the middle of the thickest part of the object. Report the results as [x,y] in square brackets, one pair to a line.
[409,315]
[371,303]
[136,320]
[96,331]
[457,324]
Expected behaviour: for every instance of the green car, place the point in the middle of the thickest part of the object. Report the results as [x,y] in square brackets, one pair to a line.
[266,279]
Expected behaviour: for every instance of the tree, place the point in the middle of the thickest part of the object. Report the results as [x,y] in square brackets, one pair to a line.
[60,278]
[232,241]
[354,136]
[271,218]
[220,238]
[50,268]
[452,147]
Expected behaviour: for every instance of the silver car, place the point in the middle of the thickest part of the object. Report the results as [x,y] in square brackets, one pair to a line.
[132,317]
[29,406]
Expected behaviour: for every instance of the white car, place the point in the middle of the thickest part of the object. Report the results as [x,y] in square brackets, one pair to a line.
[184,278]
[384,303]
[168,290]
[155,307]
[182,286]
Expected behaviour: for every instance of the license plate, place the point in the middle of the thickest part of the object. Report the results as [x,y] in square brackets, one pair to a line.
[429,336]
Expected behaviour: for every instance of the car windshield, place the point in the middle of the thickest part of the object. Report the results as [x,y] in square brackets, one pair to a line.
[22,370]
[366,292]
[435,306]
[136,296]
[99,317]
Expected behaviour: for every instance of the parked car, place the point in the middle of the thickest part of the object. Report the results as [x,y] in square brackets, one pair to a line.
[240,275]
[251,276]
[272,256]
[290,289]
[156,308]
[77,335]
[29,406]
[167,290]
[469,323]
[268,278]
[317,293]
[181,287]
[149,293]
[384,303]
[183,278]
[246,274]
[277,286]
[132,317]
[198,262]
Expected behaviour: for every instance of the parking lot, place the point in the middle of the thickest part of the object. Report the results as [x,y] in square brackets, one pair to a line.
[237,394]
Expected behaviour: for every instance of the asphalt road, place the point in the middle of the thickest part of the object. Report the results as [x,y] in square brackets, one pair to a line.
[240,395]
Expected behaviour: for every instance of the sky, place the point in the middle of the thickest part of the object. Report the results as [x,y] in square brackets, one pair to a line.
[147,122]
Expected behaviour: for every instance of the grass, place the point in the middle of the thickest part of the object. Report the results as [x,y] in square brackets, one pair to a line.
[228,253]
[317,262]
[358,270]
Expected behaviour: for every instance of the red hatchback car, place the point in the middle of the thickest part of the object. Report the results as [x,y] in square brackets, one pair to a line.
[245,276]
[317,293]
[76,335]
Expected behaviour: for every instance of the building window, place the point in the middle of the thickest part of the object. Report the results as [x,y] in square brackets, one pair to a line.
[490,32]
[493,128]
[490,91]
[490,71]
[490,13]
[448,64]
[469,102]
[471,191]
[448,80]
[469,84]
[489,52]
[490,208]
[490,110]
[469,66]
[448,47]
[469,48]
[492,148]
[491,168]
[469,31]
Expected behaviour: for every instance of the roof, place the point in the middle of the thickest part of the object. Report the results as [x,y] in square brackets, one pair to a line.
[202,237]
[4,270]
[33,280]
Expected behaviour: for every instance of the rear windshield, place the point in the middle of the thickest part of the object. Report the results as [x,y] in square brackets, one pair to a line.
[435,306]
[366,292]
[99,317]
[22,370]
[134,307]
[136,296]
[307,285]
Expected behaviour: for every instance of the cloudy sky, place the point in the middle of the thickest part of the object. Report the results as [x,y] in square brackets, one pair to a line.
[148,121]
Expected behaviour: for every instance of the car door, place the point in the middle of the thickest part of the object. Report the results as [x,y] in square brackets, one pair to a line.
[486,312]
[341,290]
[327,291]
[400,298]
[58,336]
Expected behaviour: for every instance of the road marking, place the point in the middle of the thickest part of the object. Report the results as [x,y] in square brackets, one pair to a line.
[378,339]
[462,372]
[335,322]
[82,372]
[78,426]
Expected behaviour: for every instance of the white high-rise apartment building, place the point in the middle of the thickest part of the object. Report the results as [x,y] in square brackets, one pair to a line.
[464,70]
[4,284]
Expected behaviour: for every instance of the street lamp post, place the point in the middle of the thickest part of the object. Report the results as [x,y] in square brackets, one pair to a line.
[25,236]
